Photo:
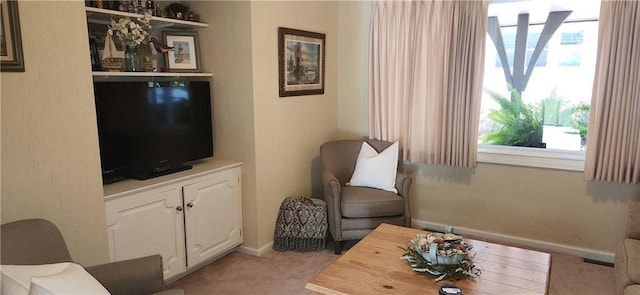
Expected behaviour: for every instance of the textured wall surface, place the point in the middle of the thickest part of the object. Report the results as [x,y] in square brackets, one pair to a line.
[353,68]
[50,155]
[225,48]
[288,130]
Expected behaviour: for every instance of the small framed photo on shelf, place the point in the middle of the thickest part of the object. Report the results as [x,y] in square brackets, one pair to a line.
[184,55]
[300,62]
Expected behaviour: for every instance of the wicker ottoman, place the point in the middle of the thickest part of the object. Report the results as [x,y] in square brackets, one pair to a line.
[301,225]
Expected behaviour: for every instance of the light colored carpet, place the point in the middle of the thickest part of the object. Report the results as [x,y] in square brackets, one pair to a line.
[288,272]
[272,273]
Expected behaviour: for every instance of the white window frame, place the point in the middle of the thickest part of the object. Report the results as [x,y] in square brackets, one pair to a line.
[535,157]
[531,157]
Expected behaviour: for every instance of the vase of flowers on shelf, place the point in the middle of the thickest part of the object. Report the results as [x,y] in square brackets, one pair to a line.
[132,33]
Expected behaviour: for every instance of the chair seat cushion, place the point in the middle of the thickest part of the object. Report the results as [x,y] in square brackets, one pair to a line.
[364,202]
[631,249]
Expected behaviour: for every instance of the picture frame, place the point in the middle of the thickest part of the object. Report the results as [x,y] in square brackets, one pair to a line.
[301,62]
[185,56]
[11,58]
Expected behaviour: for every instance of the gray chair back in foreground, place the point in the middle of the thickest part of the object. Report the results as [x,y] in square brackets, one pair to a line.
[38,241]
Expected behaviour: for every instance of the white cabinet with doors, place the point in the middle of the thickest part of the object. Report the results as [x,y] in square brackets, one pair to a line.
[189,218]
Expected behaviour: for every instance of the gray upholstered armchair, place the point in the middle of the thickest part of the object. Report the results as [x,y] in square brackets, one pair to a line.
[38,241]
[353,212]
[627,261]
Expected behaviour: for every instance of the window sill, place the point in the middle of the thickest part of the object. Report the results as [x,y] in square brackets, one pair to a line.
[532,157]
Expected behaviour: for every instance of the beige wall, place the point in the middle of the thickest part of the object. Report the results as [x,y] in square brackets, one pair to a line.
[50,156]
[226,52]
[288,131]
[275,137]
[353,66]
[551,206]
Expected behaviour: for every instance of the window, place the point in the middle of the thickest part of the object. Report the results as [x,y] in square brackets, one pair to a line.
[510,43]
[554,103]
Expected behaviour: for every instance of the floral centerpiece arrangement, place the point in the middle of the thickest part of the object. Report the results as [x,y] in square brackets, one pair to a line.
[441,255]
[131,32]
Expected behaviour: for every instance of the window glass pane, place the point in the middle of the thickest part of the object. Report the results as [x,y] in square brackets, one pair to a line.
[509,39]
[558,92]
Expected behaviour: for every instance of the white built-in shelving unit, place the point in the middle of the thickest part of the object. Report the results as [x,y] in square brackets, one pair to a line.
[104,16]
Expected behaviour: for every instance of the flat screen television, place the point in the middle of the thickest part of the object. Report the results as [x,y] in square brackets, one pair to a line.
[151,128]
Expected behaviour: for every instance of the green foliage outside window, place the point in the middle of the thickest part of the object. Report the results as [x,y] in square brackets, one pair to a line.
[519,124]
[580,121]
[556,111]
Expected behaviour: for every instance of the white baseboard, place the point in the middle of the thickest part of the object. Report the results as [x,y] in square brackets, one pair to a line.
[255,252]
[541,245]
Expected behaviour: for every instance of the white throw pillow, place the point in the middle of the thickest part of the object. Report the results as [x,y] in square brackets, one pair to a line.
[376,170]
[57,278]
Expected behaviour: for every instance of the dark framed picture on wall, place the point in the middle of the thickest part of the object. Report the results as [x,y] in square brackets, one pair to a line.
[185,54]
[300,62]
[10,41]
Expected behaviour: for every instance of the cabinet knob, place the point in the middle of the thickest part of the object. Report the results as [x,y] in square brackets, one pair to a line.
[179,208]
[190,205]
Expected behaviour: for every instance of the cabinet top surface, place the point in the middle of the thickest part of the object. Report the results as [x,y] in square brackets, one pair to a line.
[205,166]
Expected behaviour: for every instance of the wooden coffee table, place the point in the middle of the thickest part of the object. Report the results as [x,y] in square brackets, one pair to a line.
[373,266]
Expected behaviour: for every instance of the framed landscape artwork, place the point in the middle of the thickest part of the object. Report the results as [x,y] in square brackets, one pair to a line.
[300,62]
[185,56]
[10,40]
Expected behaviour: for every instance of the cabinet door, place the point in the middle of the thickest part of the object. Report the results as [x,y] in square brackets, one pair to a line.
[148,223]
[213,215]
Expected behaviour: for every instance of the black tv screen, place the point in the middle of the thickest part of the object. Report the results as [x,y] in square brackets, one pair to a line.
[151,128]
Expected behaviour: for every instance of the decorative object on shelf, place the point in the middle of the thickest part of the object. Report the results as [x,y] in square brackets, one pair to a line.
[132,33]
[112,59]
[193,17]
[301,59]
[149,57]
[11,59]
[177,10]
[132,59]
[149,7]
[441,255]
[185,56]
[95,56]
[159,46]
[157,11]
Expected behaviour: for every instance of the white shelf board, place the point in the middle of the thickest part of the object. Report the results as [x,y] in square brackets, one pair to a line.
[103,16]
[149,74]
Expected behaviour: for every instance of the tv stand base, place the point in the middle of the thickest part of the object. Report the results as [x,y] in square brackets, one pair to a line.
[159,171]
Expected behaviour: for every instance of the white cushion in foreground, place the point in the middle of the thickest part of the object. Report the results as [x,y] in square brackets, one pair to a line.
[46,279]
[376,170]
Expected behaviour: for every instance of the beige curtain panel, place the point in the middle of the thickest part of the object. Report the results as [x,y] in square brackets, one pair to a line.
[613,143]
[425,78]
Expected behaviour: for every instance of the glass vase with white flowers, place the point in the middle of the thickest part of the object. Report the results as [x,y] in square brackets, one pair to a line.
[132,33]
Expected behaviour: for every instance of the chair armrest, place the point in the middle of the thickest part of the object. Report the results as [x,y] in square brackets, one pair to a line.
[331,185]
[403,182]
[135,276]
[633,221]
[332,198]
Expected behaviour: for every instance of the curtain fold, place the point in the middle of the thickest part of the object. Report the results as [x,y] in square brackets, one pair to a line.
[425,78]
[613,142]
